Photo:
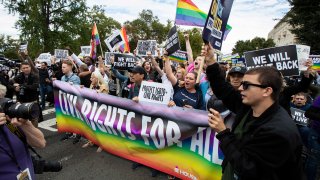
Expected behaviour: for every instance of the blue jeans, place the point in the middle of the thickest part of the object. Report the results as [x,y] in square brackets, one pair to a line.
[311,140]
[44,89]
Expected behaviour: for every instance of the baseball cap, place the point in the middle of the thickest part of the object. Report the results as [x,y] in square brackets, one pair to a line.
[238,69]
[138,69]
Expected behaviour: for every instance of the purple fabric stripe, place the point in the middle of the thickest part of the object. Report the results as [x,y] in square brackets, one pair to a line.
[190,21]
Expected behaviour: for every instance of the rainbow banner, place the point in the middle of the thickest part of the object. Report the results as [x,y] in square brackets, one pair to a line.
[316,62]
[178,56]
[173,140]
[95,40]
[124,47]
[189,14]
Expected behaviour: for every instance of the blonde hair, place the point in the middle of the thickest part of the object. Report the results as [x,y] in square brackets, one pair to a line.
[101,81]
[3,91]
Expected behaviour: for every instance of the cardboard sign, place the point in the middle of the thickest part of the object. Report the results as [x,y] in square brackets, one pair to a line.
[124,61]
[284,58]
[303,53]
[298,117]
[215,27]
[61,53]
[85,50]
[144,46]
[114,41]
[172,43]
[154,92]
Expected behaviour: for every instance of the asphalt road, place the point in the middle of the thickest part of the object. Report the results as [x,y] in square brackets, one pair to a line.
[84,163]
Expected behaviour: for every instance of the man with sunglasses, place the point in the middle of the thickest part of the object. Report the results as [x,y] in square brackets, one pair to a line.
[264,142]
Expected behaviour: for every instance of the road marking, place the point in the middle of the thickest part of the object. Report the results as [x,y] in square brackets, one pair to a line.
[48,111]
[47,125]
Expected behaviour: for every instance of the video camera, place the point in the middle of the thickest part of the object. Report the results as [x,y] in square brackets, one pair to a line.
[29,110]
[41,165]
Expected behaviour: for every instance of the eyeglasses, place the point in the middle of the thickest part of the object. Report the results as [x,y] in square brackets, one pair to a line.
[245,85]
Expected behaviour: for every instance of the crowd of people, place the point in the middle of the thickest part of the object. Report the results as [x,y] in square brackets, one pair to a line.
[258,136]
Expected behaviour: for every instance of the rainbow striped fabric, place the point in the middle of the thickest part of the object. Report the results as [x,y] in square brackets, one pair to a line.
[95,40]
[125,46]
[189,14]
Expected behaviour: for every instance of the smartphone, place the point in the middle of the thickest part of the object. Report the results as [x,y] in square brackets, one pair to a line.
[184,102]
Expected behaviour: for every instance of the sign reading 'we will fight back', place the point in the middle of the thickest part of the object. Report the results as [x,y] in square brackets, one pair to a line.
[286,59]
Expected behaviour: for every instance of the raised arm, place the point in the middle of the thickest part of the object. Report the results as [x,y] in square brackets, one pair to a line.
[188,48]
[155,65]
[169,72]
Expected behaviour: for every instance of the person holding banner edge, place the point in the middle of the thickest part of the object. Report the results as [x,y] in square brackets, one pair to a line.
[264,142]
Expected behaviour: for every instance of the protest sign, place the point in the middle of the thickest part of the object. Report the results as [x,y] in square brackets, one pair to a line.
[85,50]
[283,58]
[316,62]
[298,116]
[172,43]
[155,92]
[107,57]
[303,53]
[60,53]
[238,62]
[179,56]
[215,26]
[144,46]
[172,140]
[45,57]
[23,47]
[124,61]
[114,41]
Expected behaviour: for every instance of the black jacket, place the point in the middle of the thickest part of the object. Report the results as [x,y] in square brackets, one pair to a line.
[31,88]
[271,147]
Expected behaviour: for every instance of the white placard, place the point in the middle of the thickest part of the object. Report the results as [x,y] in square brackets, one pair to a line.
[114,41]
[154,92]
[61,53]
[85,50]
[303,53]
[144,46]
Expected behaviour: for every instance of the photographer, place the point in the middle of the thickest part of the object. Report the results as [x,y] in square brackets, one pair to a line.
[14,155]
[26,84]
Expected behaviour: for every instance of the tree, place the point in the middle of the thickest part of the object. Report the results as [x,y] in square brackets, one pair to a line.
[146,27]
[105,26]
[256,43]
[195,37]
[48,24]
[304,19]
[9,47]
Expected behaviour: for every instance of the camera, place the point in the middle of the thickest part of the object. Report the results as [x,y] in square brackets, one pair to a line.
[41,165]
[22,90]
[29,110]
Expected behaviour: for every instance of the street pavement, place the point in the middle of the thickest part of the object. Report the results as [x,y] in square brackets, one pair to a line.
[84,163]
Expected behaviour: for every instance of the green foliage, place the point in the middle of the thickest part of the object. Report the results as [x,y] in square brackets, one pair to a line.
[146,27]
[304,19]
[48,24]
[9,47]
[250,45]
[195,37]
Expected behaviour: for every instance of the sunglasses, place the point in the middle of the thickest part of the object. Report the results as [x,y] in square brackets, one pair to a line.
[245,85]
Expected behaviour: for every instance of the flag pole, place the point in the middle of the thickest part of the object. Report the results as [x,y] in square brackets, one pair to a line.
[176,13]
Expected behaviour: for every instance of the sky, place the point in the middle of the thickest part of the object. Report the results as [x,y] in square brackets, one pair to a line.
[248,18]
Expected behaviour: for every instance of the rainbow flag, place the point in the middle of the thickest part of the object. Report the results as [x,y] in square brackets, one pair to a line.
[189,14]
[226,32]
[125,46]
[95,40]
